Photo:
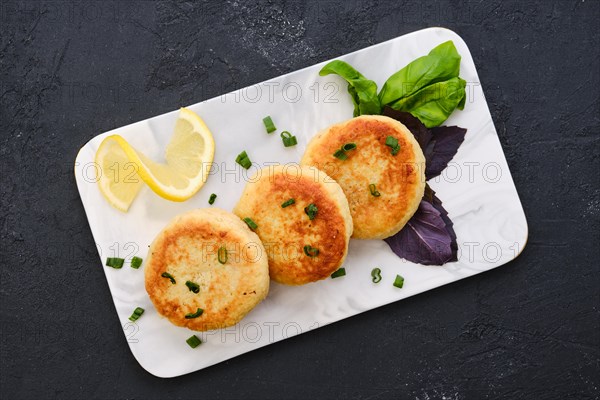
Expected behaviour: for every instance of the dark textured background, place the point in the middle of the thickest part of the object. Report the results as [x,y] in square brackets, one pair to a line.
[528,330]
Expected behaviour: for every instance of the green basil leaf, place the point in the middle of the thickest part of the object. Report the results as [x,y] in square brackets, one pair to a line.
[461,105]
[442,63]
[433,104]
[362,90]
[355,100]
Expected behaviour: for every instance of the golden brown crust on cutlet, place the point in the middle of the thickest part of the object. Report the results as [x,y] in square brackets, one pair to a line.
[400,178]
[187,249]
[285,231]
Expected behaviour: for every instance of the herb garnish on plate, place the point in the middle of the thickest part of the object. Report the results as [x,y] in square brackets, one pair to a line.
[422,95]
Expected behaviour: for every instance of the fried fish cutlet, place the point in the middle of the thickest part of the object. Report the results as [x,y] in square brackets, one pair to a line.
[381,210]
[287,229]
[185,270]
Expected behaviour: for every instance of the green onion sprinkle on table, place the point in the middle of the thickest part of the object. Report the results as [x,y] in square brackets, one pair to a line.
[340,272]
[136,262]
[194,341]
[137,313]
[269,125]
[115,262]
[399,282]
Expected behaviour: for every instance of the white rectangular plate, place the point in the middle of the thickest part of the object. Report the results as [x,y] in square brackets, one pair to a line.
[477,190]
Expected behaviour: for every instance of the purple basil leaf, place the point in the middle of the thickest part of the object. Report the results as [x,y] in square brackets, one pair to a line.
[447,140]
[439,144]
[429,238]
[419,131]
[424,239]
[429,194]
[437,203]
[428,152]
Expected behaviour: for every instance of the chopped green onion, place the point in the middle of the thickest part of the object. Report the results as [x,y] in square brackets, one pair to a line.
[222,255]
[212,198]
[194,315]
[338,273]
[349,146]
[392,142]
[168,275]
[269,124]
[194,287]
[311,251]
[311,210]
[194,341]
[340,155]
[399,281]
[376,274]
[288,139]
[136,262]
[250,223]
[290,142]
[374,190]
[288,203]
[243,160]
[115,262]
[137,313]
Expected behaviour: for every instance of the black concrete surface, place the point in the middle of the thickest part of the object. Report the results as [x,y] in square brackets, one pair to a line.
[527,330]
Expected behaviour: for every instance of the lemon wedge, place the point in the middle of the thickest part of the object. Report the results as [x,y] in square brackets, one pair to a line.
[189,156]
